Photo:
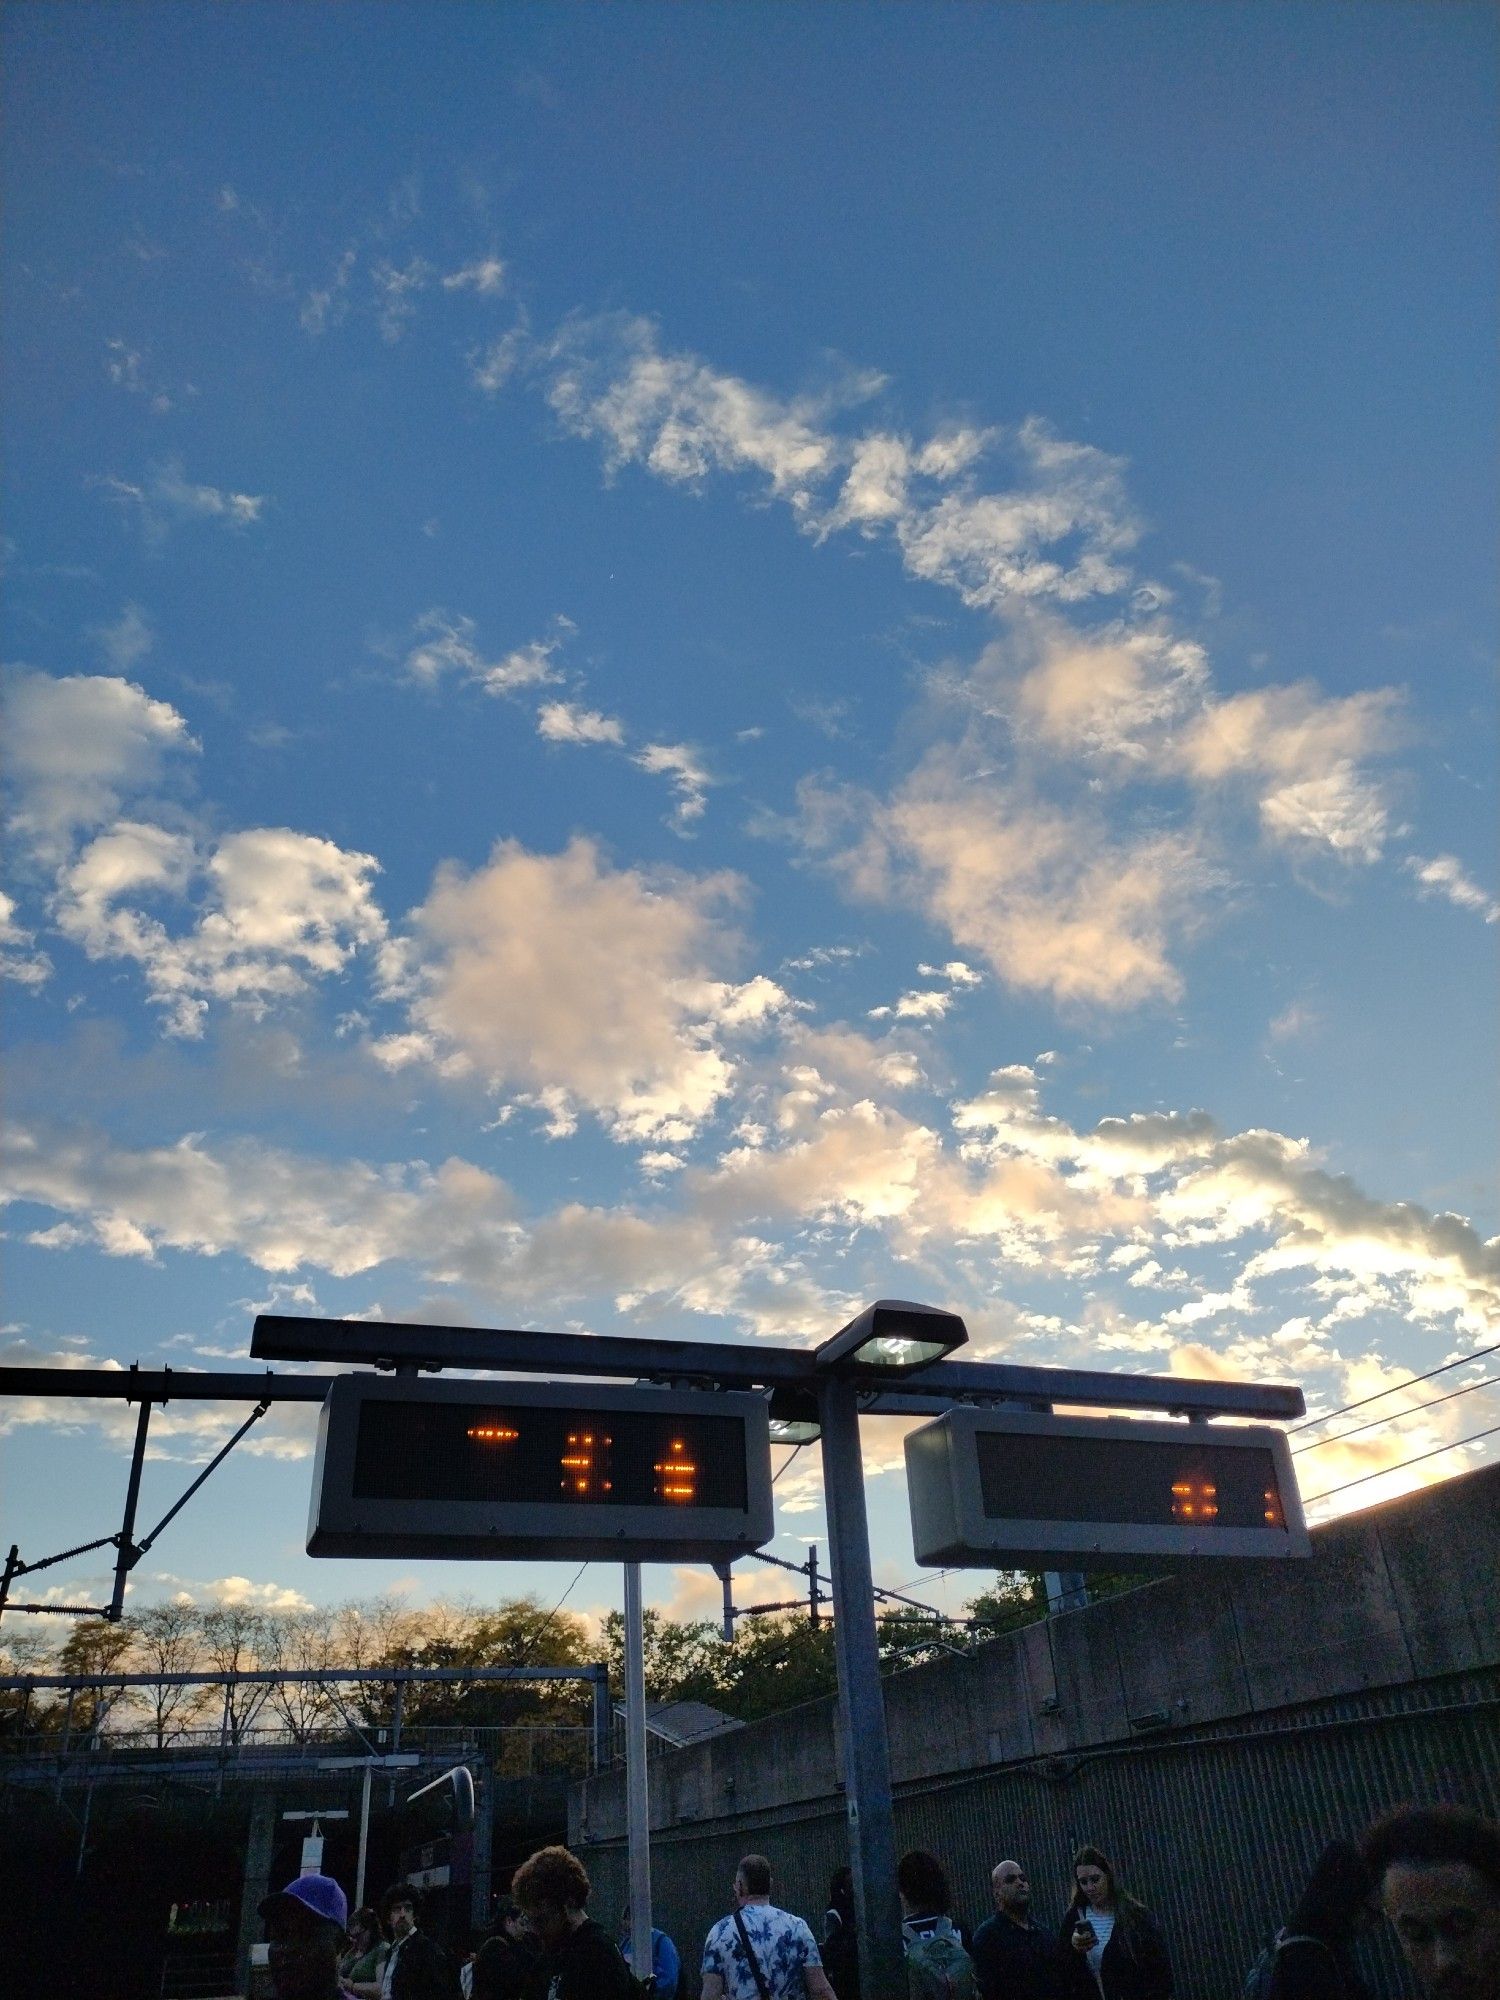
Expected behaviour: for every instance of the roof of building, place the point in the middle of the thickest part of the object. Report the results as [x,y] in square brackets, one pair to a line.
[683,1722]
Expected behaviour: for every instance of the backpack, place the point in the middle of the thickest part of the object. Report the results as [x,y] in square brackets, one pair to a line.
[937,1966]
[1258,1979]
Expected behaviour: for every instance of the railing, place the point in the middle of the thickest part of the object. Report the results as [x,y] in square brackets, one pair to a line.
[509,1750]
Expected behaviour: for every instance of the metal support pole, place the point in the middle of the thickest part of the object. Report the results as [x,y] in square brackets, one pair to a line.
[12,1564]
[397,1705]
[67,1738]
[604,1722]
[83,1831]
[867,1772]
[814,1615]
[637,1798]
[364,1837]
[125,1554]
[726,1629]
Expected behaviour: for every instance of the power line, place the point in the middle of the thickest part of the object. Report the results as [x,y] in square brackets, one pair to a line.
[787,1461]
[1374,1423]
[536,1642]
[1436,1452]
[1410,1383]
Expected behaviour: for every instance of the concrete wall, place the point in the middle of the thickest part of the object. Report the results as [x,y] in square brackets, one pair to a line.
[1209,1730]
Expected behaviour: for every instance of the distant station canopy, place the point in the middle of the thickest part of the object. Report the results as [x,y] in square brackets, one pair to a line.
[488,1470]
[990,1488]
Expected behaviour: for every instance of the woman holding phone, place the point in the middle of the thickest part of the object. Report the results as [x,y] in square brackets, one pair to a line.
[1118,1946]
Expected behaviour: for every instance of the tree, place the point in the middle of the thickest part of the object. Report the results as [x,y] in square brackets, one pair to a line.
[232,1635]
[684,1662]
[22,1712]
[1017,1597]
[304,1640]
[169,1640]
[774,1663]
[95,1646]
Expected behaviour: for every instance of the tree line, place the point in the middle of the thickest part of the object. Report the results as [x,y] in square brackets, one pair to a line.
[773,1662]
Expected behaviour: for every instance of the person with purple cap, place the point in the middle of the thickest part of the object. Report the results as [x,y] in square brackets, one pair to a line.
[305,1925]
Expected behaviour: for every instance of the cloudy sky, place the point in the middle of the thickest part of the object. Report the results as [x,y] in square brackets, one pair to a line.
[670,668]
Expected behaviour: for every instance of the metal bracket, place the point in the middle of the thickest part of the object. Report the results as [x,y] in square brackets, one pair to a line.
[128,1551]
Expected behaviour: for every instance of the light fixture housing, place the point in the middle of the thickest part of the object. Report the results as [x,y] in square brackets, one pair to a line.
[794,1417]
[893,1337]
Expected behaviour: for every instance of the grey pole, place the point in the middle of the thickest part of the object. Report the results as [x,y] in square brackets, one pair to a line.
[867,1771]
[125,1553]
[637,1798]
[364,1835]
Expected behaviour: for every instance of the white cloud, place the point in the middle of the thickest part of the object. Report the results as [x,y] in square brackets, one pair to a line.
[684,770]
[682,419]
[395,294]
[278,907]
[77,745]
[1445,875]
[491,366]
[280,1211]
[444,643]
[485,275]
[19,961]
[327,305]
[558,972]
[167,497]
[127,642]
[1339,810]
[1050,898]
[679,417]
[566,722]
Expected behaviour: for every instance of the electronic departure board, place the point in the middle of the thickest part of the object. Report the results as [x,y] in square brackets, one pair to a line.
[995,1487]
[411,1467]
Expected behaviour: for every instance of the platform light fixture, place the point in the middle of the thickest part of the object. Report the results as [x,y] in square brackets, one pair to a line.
[893,1337]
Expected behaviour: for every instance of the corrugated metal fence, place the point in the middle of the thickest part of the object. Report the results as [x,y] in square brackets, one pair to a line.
[1214,1828]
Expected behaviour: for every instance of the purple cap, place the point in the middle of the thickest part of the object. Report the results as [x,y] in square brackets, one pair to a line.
[318,1893]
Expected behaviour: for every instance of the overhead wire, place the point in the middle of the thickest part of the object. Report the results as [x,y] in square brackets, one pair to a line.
[1410,1383]
[787,1461]
[1375,1423]
[1436,1452]
[536,1642]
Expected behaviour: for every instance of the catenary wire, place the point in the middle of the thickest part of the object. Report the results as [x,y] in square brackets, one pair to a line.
[1375,1423]
[787,1461]
[1410,1383]
[1436,1452]
[536,1642]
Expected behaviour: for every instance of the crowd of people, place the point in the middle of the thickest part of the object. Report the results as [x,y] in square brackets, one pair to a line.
[1432,1872]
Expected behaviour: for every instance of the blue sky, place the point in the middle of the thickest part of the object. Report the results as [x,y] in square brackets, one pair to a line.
[669,668]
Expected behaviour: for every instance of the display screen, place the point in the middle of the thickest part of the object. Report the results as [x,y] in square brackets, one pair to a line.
[564,1456]
[1192,1485]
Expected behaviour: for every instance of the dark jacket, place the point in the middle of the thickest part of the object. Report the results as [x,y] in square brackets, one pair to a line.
[587,1966]
[424,1970]
[1020,1962]
[1135,1965]
[839,1952]
[506,1971]
[1314,1969]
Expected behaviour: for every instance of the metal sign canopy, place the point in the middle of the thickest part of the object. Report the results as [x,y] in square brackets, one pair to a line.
[890,1360]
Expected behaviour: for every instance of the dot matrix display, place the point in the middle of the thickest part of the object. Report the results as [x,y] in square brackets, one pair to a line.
[486,1452]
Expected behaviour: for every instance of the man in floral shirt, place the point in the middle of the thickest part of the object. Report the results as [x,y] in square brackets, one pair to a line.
[760,1952]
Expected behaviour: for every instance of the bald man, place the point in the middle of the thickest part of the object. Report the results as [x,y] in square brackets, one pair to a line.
[1015,1958]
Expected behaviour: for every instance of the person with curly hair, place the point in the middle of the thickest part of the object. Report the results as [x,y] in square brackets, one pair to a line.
[553,1889]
